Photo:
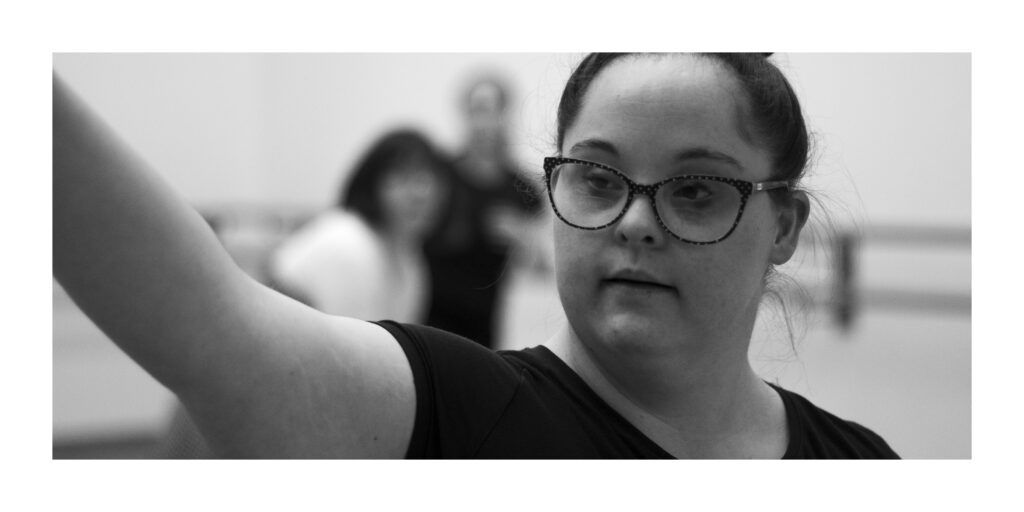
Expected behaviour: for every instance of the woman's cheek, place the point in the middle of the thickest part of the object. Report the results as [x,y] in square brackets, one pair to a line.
[566,258]
[575,259]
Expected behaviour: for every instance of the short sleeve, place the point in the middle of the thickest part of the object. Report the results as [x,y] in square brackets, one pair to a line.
[462,390]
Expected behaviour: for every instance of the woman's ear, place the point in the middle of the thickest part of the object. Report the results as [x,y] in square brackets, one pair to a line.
[790,221]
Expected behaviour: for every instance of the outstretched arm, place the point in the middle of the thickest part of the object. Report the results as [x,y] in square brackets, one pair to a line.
[262,375]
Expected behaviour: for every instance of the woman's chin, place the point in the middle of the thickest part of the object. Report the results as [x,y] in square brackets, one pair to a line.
[635,334]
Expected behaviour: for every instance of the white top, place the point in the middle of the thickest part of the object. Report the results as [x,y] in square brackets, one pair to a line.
[343,267]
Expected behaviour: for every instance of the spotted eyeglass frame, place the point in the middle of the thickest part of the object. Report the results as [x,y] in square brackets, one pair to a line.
[745,188]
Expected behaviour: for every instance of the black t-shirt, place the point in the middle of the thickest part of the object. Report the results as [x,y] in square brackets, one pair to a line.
[472,402]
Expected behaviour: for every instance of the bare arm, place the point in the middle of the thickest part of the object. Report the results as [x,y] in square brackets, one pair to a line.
[262,375]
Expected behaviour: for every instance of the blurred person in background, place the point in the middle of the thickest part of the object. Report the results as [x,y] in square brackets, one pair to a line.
[362,258]
[492,217]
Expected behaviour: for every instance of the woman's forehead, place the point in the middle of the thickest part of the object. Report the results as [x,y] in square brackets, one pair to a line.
[663,103]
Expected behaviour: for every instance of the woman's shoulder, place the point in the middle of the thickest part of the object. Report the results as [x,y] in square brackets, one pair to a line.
[446,353]
[462,390]
[336,225]
[815,433]
[333,235]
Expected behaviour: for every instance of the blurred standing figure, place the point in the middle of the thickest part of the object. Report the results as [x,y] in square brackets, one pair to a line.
[362,258]
[492,207]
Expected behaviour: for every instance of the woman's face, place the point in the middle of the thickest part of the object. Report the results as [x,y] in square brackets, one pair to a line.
[653,118]
[412,197]
[485,116]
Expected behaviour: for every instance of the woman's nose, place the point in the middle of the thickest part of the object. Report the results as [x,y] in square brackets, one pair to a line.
[640,224]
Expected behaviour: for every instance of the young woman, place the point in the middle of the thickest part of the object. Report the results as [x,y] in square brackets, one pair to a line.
[677,186]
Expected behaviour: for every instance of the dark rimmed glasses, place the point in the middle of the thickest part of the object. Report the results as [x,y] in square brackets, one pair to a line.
[694,209]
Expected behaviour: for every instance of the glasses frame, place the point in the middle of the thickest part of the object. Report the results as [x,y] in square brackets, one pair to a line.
[745,188]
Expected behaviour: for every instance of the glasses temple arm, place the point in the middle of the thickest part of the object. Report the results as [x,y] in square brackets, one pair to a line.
[770,185]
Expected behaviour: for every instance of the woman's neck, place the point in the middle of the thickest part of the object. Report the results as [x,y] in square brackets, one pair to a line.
[697,406]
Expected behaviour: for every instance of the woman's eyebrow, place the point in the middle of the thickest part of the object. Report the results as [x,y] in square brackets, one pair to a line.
[598,144]
[700,152]
[707,153]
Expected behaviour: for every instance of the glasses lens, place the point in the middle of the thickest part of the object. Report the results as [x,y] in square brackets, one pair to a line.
[699,210]
[587,196]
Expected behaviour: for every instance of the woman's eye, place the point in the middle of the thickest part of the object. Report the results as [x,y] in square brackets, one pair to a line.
[692,192]
[601,180]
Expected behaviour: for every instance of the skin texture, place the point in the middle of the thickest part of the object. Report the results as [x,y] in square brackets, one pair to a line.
[672,358]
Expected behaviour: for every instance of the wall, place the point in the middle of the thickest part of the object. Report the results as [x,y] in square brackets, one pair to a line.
[893,130]
[284,128]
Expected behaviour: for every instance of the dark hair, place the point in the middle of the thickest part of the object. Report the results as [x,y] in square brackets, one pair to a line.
[773,109]
[394,150]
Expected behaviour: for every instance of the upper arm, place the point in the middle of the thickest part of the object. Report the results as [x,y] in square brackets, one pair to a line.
[262,374]
[289,381]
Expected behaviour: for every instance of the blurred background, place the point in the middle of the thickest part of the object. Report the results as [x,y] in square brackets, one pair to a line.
[259,143]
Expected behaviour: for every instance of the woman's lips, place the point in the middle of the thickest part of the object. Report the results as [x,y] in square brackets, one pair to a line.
[638,284]
[637,281]
[636,278]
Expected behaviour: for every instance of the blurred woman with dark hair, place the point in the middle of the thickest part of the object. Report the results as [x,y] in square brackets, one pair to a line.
[364,257]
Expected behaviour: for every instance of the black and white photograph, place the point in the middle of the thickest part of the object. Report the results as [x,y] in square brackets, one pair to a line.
[654,255]
[540,256]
